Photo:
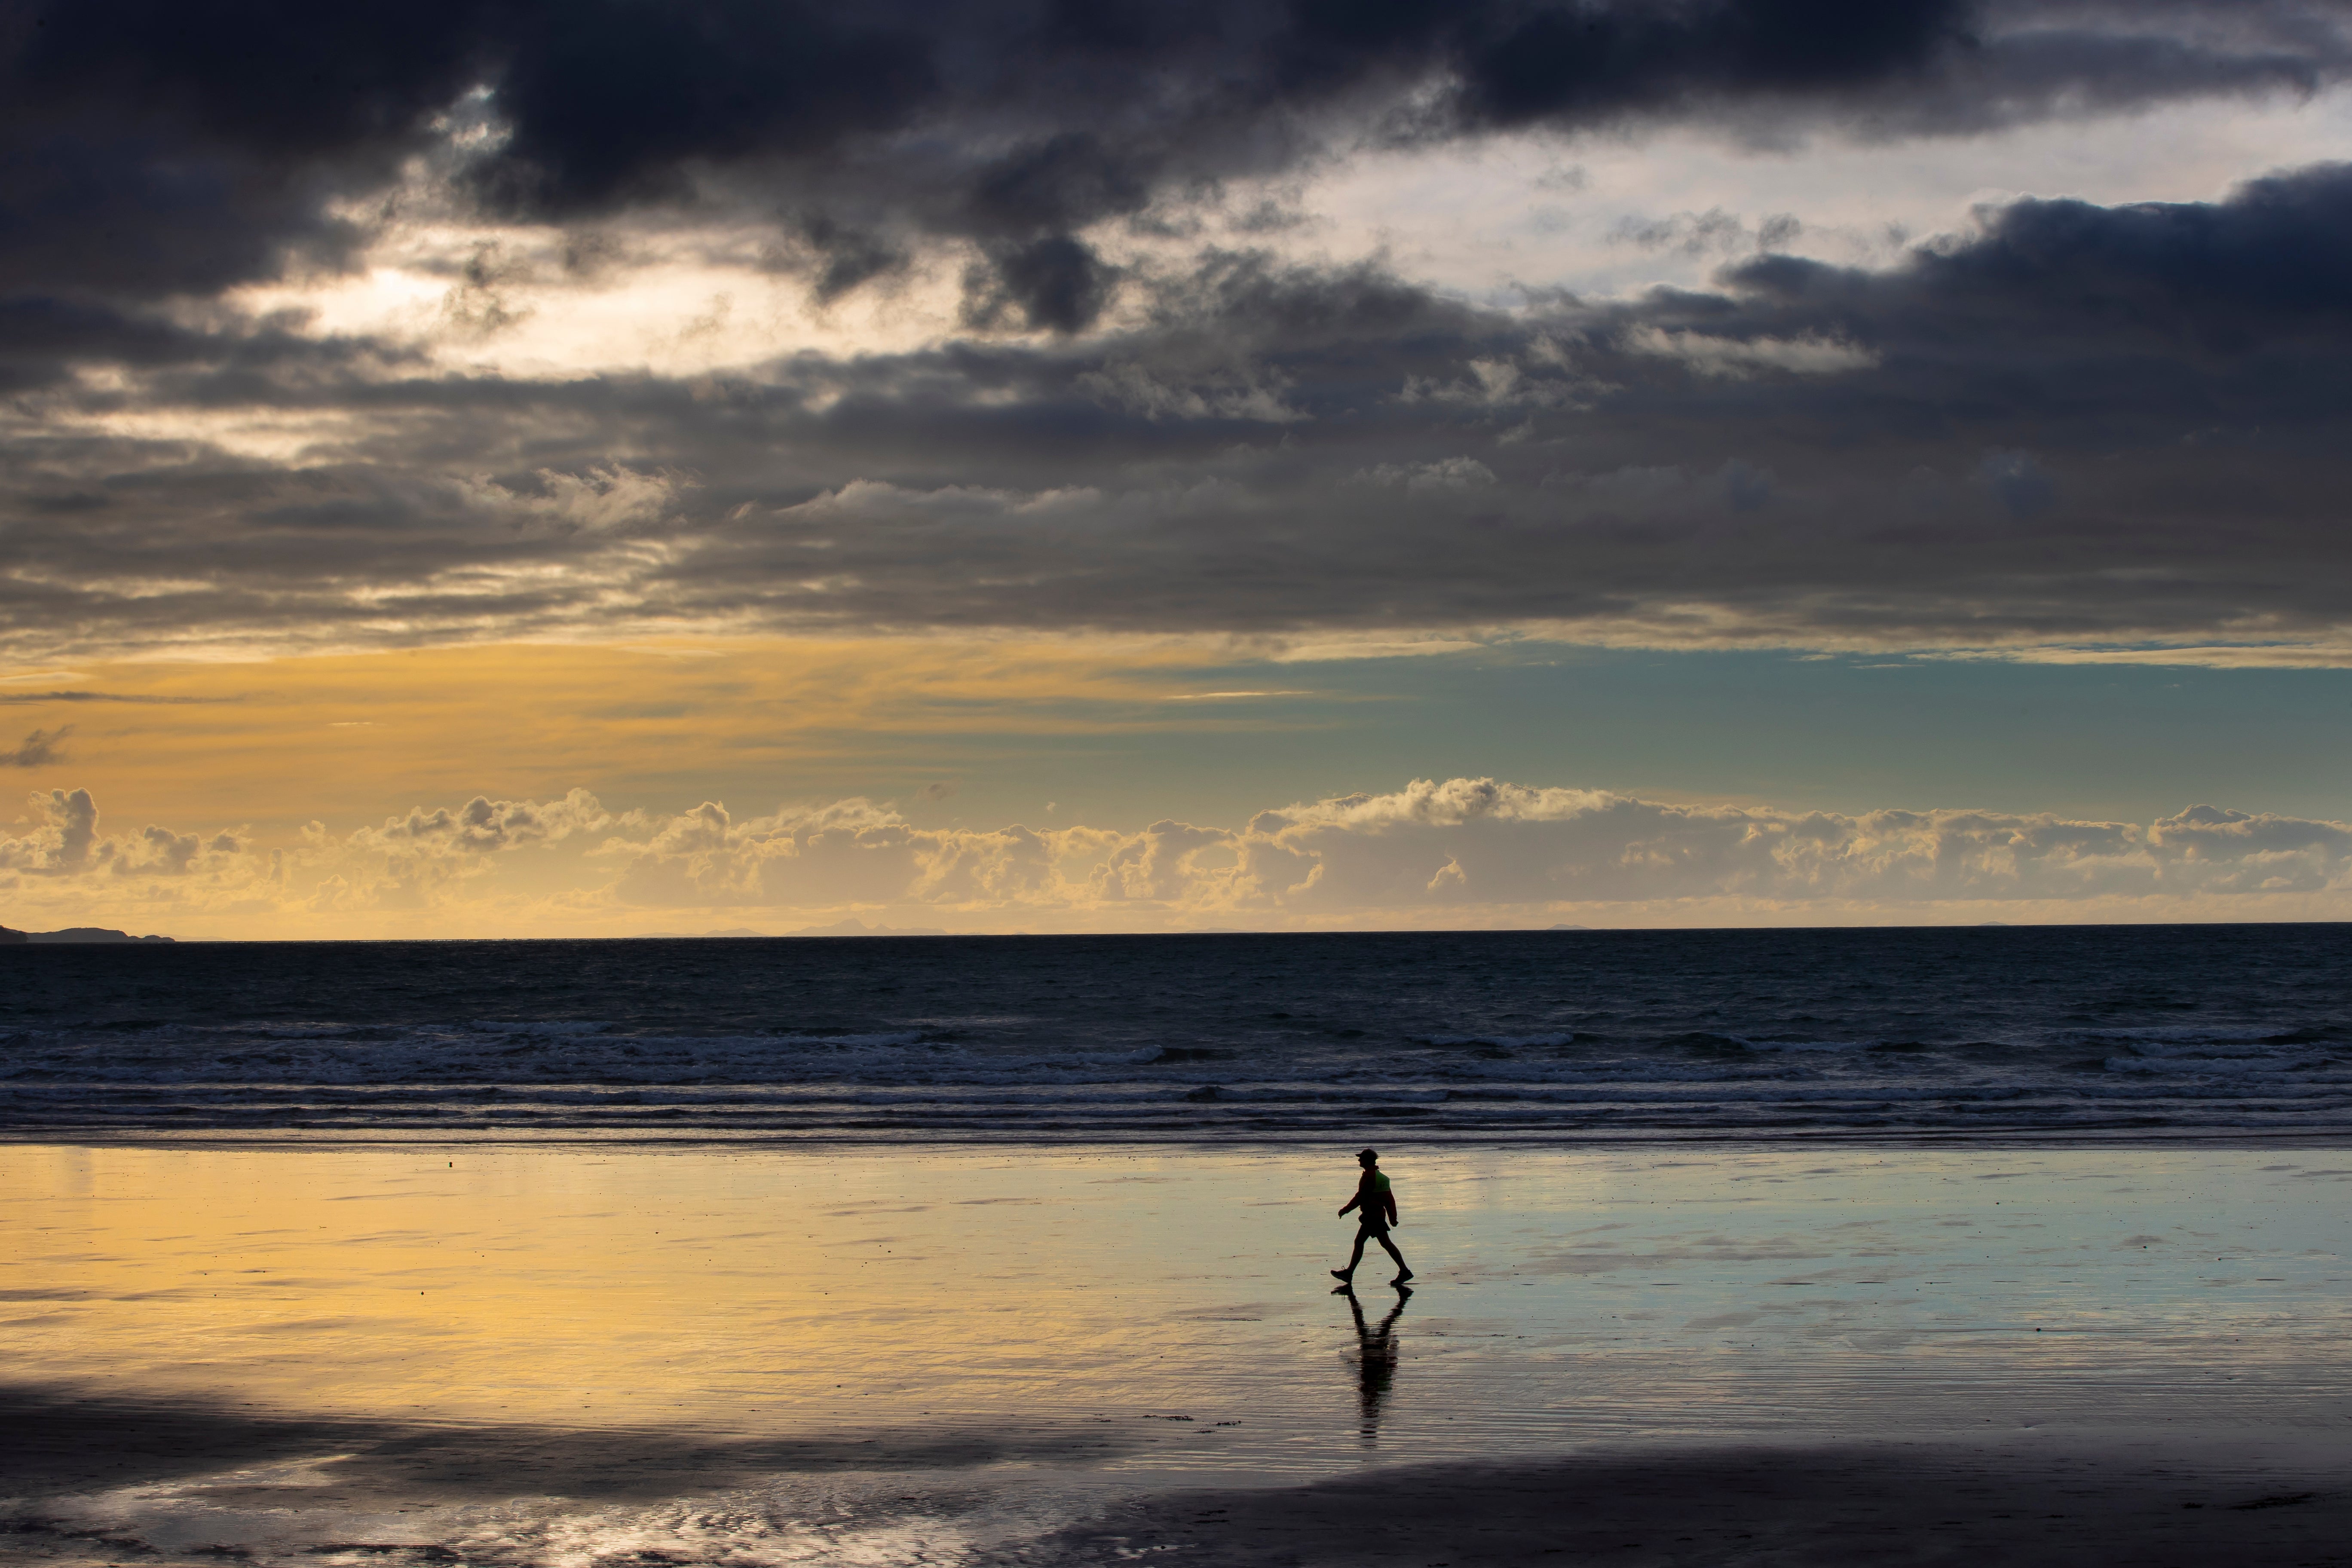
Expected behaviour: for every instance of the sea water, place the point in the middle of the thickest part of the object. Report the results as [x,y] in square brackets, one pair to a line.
[2059,1033]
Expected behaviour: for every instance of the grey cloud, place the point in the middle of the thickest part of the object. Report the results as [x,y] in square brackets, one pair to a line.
[2075,423]
[1065,182]
[40,698]
[1055,283]
[159,148]
[1714,231]
[2018,481]
[43,337]
[1693,233]
[39,750]
[836,257]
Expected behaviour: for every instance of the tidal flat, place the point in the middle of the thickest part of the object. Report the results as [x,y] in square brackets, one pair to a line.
[599,1353]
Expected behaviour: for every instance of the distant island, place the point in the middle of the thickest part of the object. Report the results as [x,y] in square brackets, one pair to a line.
[697,935]
[839,927]
[855,928]
[10,937]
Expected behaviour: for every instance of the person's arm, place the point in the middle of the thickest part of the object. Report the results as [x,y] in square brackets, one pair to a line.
[1389,1198]
[1351,1202]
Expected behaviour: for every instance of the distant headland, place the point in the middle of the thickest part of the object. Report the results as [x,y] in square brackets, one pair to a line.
[9,937]
[840,928]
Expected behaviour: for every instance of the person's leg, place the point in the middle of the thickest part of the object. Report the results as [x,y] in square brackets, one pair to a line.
[1404,1270]
[1353,1258]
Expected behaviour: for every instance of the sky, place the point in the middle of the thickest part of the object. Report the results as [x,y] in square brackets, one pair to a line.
[489,468]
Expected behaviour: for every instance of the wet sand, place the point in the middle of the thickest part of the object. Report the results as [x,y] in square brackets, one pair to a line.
[626,1354]
[1882,1504]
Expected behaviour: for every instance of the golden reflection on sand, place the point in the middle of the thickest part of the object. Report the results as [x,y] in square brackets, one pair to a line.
[502,1284]
[1176,1298]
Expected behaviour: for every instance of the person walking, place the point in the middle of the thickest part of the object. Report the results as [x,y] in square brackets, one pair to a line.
[1378,1212]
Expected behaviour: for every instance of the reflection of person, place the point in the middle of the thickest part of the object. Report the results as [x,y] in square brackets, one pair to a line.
[1378,1211]
[1377,1368]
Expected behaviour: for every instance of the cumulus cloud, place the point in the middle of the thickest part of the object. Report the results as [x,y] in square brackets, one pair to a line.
[67,827]
[1459,851]
[65,843]
[1467,844]
[849,852]
[483,825]
[1477,840]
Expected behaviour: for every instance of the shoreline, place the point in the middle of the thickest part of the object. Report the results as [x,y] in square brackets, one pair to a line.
[1760,1143]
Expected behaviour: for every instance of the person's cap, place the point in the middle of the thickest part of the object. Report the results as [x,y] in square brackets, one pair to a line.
[1367,1154]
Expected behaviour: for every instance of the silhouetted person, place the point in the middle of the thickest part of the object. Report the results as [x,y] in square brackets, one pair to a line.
[1379,1212]
[1376,1367]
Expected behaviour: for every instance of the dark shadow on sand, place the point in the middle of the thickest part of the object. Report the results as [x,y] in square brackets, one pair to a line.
[57,1438]
[1689,1507]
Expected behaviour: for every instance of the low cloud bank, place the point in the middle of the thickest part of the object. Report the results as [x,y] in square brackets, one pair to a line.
[1465,851]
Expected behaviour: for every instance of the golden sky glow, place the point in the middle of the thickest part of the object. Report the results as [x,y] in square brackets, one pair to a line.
[564,790]
[276,742]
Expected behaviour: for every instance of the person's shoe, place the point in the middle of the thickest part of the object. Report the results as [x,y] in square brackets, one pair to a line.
[1401,1278]
[1344,1276]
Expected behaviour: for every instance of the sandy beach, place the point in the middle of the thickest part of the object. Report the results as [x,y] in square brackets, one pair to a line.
[604,1355]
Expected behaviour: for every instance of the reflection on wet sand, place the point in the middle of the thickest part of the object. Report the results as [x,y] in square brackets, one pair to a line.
[1375,1358]
[588,1357]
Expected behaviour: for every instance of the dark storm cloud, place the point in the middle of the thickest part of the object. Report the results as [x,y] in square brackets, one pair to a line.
[2078,422]
[1055,283]
[43,337]
[154,148]
[609,99]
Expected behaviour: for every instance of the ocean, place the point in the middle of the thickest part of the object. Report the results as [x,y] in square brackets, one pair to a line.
[2049,1034]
